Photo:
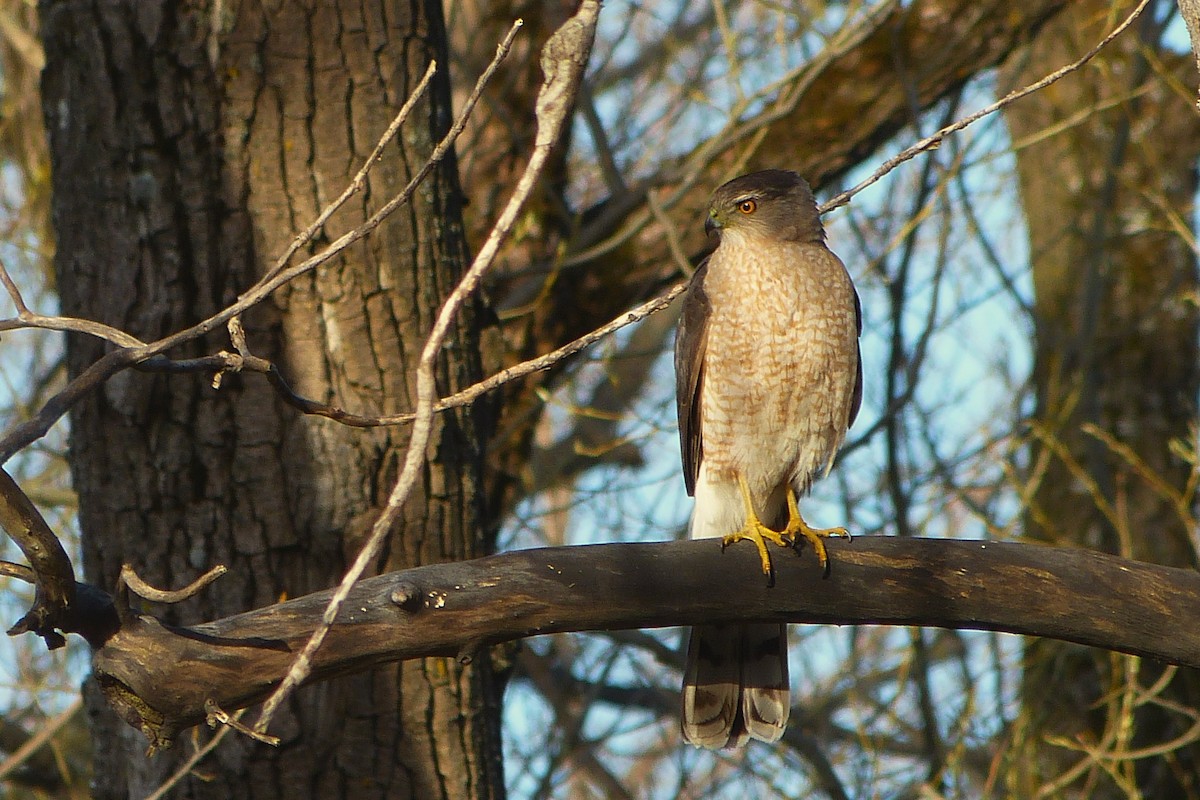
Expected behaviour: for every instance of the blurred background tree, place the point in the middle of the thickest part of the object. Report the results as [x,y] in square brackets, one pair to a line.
[1030,300]
[1108,202]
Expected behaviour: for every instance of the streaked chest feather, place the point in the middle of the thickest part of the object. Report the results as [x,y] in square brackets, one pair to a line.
[781,353]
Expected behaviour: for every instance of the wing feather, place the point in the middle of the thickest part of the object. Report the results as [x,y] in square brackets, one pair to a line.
[857,396]
[690,342]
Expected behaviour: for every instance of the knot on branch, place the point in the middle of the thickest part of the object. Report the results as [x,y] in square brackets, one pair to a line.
[406,595]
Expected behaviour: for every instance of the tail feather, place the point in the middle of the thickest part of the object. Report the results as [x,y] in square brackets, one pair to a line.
[736,685]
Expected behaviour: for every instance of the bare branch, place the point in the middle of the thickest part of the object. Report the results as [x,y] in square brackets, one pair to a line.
[934,141]
[129,578]
[223,361]
[29,319]
[472,393]
[60,603]
[160,677]
[19,571]
[215,716]
[13,290]
[54,576]
[360,179]
[26,433]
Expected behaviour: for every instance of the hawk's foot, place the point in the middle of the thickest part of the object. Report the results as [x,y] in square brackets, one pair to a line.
[759,533]
[755,531]
[796,526]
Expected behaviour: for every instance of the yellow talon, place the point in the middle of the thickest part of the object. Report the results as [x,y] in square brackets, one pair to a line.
[755,531]
[797,525]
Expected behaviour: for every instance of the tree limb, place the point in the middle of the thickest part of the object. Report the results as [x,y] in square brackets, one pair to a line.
[160,677]
[53,577]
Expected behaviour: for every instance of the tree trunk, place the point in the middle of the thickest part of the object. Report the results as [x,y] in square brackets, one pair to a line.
[188,146]
[1116,348]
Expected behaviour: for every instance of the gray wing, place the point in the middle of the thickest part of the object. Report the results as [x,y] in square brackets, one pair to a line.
[690,343]
[856,397]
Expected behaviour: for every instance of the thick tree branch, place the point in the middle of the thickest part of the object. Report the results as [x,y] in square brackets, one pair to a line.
[53,576]
[160,677]
[59,603]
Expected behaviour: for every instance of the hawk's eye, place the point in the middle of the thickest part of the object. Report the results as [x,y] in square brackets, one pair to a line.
[747,206]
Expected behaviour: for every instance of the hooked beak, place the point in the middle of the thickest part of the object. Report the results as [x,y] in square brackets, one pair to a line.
[710,224]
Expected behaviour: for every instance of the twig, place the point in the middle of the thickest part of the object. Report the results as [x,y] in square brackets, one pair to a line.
[129,578]
[673,244]
[218,717]
[29,319]
[187,766]
[465,396]
[237,336]
[19,571]
[935,140]
[38,739]
[13,291]
[34,428]
[360,179]
[426,387]
[224,361]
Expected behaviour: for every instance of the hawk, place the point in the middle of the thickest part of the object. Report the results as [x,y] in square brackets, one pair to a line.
[768,380]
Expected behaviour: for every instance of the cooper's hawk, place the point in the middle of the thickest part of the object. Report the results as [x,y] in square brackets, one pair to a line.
[768,379]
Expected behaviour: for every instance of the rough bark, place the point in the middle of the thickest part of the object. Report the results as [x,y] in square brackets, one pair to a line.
[1116,348]
[185,157]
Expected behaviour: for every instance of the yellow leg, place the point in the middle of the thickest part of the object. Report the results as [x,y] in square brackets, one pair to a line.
[755,531]
[797,525]
[759,533]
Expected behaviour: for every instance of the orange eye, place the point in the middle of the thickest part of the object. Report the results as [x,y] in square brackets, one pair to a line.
[747,206]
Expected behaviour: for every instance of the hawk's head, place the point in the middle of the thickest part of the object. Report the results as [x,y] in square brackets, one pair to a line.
[775,203]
